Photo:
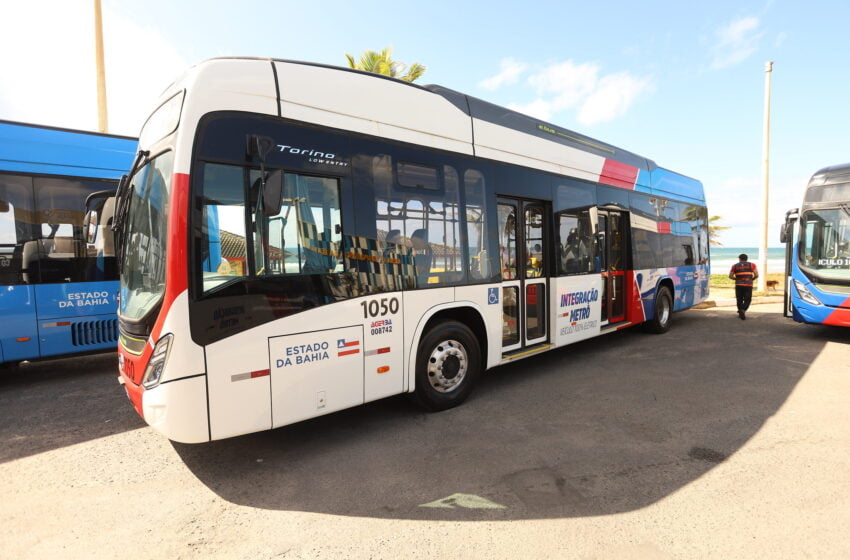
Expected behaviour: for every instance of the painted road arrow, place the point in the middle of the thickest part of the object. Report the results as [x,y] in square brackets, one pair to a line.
[469,501]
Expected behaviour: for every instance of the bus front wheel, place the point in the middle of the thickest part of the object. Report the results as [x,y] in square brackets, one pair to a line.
[447,364]
[660,323]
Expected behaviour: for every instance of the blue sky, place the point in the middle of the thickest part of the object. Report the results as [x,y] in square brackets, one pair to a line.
[680,83]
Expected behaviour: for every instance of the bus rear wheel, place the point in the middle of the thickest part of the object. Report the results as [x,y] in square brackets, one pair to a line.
[447,364]
[660,323]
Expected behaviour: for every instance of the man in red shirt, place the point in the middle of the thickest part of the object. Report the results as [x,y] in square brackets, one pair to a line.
[743,273]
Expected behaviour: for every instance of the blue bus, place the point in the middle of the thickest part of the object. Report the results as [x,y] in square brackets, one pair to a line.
[58,286]
[818,251]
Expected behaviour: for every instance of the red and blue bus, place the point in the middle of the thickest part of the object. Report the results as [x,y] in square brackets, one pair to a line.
[299,238]
[818,251]
[59,287]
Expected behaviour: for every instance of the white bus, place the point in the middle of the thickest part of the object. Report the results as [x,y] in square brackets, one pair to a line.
[297,239]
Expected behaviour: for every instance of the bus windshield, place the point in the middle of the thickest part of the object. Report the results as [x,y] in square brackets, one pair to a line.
[825,243]
[143,264]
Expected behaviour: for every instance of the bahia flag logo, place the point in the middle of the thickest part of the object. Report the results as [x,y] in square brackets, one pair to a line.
[347,347]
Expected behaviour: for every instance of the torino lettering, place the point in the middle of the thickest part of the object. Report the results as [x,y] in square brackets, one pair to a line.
[579,298]
[305,151]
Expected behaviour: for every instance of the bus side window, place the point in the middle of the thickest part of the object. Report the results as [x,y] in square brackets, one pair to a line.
[224,254]
[481,258]
[17,231]
[576,242]
[61,250]
[422,211]
[305,237]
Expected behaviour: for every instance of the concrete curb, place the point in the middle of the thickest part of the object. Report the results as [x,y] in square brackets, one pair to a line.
[731,302]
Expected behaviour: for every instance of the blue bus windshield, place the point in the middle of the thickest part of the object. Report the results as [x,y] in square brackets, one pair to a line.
[825,243]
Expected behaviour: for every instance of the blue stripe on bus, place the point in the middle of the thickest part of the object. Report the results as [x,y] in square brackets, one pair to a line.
[664,182]
[644,182]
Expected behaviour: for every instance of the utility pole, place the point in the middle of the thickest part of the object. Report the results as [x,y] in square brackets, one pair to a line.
[765,178]
[102,125]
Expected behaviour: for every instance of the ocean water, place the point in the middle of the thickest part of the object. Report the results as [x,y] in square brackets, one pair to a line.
[722,258]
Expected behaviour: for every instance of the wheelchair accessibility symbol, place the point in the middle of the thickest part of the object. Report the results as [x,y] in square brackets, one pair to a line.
[493,296]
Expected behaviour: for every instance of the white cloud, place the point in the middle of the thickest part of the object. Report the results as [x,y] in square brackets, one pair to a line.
[511,70]
[54,69]
[612,97]
[735,42]
[582,87]
[568,82]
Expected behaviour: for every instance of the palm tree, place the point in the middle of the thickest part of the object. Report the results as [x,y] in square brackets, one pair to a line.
[382,63]
[714,231]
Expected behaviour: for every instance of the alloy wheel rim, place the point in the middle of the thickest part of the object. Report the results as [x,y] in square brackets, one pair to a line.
[448,366]
[665,310]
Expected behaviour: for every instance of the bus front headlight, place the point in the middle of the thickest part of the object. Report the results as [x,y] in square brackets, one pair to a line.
[805,294]
[156,365]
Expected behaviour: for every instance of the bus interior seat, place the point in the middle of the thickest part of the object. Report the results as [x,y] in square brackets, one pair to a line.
[31,256]
[105,222]
[394,236]
[422,253]
[66,248]
[10,272]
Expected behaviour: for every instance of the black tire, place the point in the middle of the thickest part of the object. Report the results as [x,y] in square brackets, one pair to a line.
[447,363]
[660,323]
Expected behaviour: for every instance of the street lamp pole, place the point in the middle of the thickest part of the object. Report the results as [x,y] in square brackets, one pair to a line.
[765,176]
[102,125]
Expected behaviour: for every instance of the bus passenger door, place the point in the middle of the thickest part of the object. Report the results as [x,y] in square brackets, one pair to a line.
[612,259]
[523,249]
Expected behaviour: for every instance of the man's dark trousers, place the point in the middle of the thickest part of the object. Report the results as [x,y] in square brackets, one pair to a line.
[744,295]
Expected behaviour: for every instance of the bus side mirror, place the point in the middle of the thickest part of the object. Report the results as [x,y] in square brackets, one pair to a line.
[90,226]
[273,193]
[786,232]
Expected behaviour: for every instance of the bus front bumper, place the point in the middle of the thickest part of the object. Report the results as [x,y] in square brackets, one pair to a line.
[821,314]
[176,409]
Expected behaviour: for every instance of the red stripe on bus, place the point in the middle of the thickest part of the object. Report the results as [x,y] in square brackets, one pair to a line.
[347,352]
[635,312]
[352,343]
[839,318]
[618,174]
[383,350]
[260,373]
[176,257]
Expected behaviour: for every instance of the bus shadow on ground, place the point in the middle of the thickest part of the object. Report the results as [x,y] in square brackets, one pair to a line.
[601,427]
[51,404]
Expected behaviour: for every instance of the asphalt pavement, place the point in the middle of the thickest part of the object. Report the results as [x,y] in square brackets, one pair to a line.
[719,439]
